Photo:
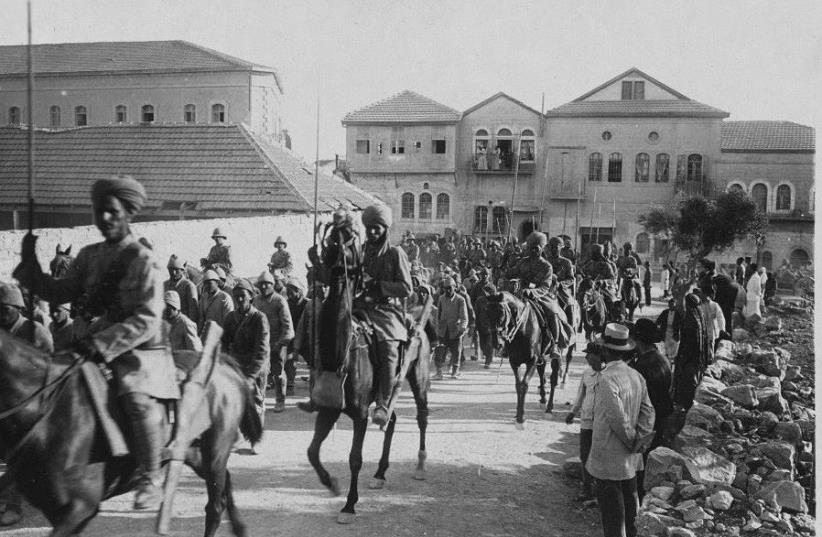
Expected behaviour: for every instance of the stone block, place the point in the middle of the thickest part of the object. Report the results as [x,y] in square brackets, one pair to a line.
[690,436]
[721,500]
[742,394]
[788,431]
[654,525]
[704,417]
[771,399]
[787,495]
[663,493]
[707,467]
[692,491]
[661,461]
[680,532]
[782,454]
[728,372]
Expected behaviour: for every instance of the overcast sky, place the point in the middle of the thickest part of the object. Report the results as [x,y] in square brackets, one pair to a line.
[756,60]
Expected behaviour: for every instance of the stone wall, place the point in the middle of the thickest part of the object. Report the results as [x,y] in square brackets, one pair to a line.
[251,239]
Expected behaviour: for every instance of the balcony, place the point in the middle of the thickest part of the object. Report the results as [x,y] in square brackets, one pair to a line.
[504,168]
[705,188]
[566,190]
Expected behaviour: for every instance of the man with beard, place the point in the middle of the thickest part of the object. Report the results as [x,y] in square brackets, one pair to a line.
[387,282]
[281,331]
[184,287]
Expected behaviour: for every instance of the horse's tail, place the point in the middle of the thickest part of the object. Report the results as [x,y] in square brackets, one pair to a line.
[251,426]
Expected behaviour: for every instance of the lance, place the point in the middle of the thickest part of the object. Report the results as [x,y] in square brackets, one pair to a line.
[576,228]
[514,190]
[599,217]
[315,350]
[613,223]
[591,228]
[30,121]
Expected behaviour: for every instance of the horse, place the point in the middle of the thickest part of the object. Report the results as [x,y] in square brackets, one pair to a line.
[593,309]
[61,262]
[515,324]
[344,349]
[58,454]
[630,296]
[571,308]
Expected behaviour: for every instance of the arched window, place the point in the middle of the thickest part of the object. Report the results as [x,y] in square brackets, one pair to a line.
[189,113]
[663,165]
[120,113]
[500,221]
[504,132]
[480,219]
[783,198]
[643,168]
[767,260]
[595,167]
[80,116]
[425,206]
[218,113]
[736,187]
[14,115]
[694,167]
[481,142]
[527,146]
[407,206]
[443,206]
[643,243]
[615,168]
[147,113]
[759,195]
[54,116]
[799,258]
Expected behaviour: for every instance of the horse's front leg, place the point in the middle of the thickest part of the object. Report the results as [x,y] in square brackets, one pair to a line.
[569,355]
[555,358]
[520,395]
[378,481]
[346,515]
[541,373]
[326,418]
[418,382]
[530,368]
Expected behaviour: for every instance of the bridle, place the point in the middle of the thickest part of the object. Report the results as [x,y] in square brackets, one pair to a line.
[513,323]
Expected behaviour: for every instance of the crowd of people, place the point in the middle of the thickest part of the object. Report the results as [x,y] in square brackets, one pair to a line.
[114,306]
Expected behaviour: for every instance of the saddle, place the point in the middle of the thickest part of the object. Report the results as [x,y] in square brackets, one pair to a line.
[551,320]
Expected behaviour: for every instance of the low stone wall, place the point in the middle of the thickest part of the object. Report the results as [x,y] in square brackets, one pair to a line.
[251,239]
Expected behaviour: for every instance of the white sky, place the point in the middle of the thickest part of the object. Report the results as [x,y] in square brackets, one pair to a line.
[756,60]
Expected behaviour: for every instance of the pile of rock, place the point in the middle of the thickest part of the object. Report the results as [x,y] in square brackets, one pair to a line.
[744,461]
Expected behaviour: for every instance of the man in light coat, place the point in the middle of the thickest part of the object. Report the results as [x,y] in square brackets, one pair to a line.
[622,429]
[452,323]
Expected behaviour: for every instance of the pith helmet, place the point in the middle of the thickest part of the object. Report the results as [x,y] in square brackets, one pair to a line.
[266,277]
[210,275]
[172,298]
[175,262]
[280,240]
[218,233]
[10,295]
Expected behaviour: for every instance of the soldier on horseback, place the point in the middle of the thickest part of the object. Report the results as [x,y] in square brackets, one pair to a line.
[564,271]
[120,282]
[220,254]
[387,282]
[600,270]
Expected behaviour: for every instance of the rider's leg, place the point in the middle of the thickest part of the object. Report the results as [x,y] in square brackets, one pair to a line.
[389,356]
[145,419]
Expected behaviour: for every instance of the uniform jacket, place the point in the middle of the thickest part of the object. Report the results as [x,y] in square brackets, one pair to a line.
[281,259]
[63,336]
[182,334]
[452,316]
[391,284]
[532,270]
[22,328]
[246,338]
[280,323]
[130,326]
[622,414]
[220,255]
[188,297]
[214,307]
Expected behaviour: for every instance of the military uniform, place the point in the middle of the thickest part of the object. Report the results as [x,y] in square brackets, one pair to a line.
[188,297]
[246,338]
[24,328]
[564,271]
[215,308]
[182,334]
[220,256]
[281,332]
[281,260]
[63,336]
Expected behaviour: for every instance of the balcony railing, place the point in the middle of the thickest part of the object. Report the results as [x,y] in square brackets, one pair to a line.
[704,187]
[505,167]
[566,190]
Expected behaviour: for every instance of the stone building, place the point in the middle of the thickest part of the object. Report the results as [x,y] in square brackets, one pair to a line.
[151,82]
[403,150]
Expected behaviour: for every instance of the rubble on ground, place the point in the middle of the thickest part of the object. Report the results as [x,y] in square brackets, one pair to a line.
[743,464]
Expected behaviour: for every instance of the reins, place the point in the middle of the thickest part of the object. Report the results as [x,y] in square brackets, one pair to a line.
[510,334]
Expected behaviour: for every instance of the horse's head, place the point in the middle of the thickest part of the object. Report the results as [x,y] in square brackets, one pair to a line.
[61,262]
[340,250]
[500,318]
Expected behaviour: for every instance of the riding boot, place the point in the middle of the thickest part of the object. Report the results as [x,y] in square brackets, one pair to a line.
[147,442]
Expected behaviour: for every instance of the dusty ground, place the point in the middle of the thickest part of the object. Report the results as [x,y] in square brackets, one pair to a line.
[485,477]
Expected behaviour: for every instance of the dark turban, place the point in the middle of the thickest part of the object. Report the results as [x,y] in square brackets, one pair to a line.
[377,214]
[123,187]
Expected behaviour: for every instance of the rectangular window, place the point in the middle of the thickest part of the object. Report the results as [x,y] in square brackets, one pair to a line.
[615,168]
[363,147]
[417,147]
[379,148]
[627,90]
[398,147]
[633,90]
[639,90]
[438,147]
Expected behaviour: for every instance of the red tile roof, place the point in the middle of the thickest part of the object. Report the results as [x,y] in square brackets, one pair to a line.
[404,107]
[220,168]
[120,57]
[636,108]
[767,136]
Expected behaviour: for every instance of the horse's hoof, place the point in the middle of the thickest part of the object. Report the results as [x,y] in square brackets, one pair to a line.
[376,483]
[520,425]
[346,518]
[549,410]
[543,400]
[334,487]
[419,474]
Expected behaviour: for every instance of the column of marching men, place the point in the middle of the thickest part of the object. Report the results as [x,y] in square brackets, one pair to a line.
[261,317]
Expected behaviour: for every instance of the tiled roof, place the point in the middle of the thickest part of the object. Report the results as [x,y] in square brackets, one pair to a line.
[220,168]
[119,56]
[498,96]
[767,136]
[636,108]
[404,107]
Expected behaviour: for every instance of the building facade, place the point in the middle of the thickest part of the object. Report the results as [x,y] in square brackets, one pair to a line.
[155,82]
[598,162]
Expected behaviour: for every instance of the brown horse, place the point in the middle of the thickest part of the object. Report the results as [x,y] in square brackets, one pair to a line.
[58,455]
[515,324]
[343,350]
[61,262]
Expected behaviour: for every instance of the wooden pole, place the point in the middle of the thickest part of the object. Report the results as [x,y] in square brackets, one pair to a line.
[599,215]
[30,121]
[576,230]
[613,223]
[514,190]
[315,342]
[591,228]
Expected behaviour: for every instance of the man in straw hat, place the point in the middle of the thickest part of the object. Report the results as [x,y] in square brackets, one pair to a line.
[215,304]
[182,332]
[184,287]
[220,253]
[119,281]
[387,280]
[281,331]
[623,420]
[281,258]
